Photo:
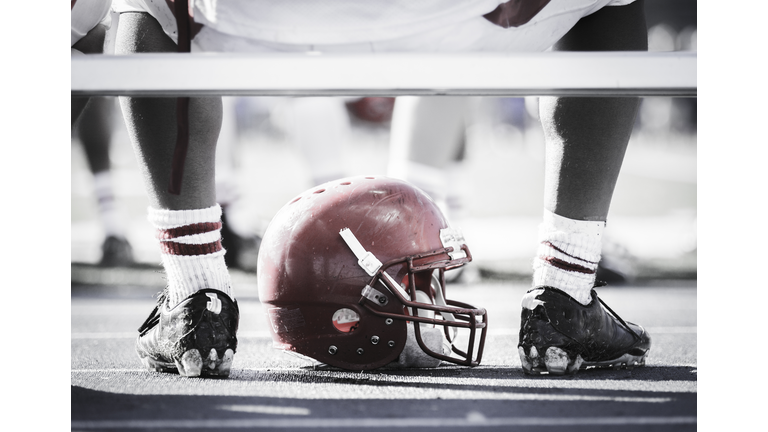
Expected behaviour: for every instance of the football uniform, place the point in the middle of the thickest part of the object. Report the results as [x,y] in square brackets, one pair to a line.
[374,26]
[87,14]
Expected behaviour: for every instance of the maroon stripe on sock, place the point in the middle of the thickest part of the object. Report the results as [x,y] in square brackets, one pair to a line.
[565,253]
[173,248]
[186,230]
[564,265]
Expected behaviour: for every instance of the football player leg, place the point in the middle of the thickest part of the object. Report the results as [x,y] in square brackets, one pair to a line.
[88,34]
[94,129]
[321,131]
[192,329]
[586,139]
[427,138]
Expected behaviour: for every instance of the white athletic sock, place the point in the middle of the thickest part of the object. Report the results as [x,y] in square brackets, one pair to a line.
[108,213]
[191,251]
[568,254]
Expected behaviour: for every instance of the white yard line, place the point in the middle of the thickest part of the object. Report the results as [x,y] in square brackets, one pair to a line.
[314,385]
[472,420]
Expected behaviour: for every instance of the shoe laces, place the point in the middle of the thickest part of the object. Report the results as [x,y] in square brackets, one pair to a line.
[154,317]
[615,315]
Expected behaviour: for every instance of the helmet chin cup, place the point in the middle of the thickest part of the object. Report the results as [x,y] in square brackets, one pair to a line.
[414,356]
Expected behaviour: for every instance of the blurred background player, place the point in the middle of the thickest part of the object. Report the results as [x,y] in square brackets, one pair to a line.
[237,233]
[319,128]
[585,137]
[91,120]
[427,145]
[94,131]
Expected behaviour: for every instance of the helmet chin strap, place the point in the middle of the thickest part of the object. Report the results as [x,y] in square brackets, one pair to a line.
[367,260]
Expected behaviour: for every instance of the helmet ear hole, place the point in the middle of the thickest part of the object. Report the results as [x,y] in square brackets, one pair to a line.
[345,320]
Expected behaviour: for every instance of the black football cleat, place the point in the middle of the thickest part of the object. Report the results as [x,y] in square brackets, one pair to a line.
[242,252]
[197,337]
[559,335]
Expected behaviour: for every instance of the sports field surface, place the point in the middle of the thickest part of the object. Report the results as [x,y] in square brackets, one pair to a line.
[272,390]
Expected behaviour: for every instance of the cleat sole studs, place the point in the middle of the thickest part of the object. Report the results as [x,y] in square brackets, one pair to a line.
[190,364]
[534,355]
[213,358]
[576,365]
[534,358]
[527,368]
[226,362]
[556,361]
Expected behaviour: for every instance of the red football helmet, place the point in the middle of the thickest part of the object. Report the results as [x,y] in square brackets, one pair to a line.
[347,266]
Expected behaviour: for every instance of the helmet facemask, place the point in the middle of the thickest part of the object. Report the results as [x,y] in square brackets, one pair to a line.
[422,295]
